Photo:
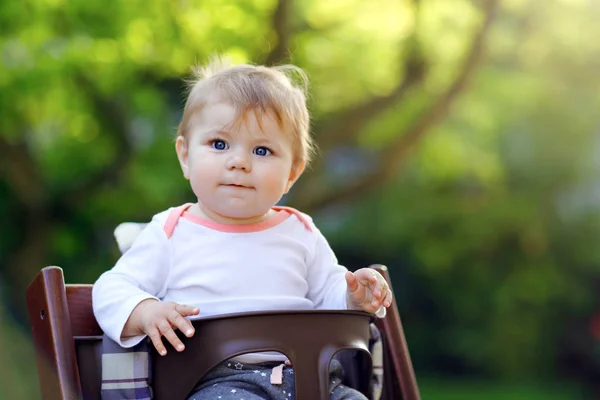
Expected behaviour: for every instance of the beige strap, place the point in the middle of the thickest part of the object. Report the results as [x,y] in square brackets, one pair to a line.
[277,375]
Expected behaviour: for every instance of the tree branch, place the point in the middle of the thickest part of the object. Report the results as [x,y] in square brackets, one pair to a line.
[346,124]
[281,26]
[393,157]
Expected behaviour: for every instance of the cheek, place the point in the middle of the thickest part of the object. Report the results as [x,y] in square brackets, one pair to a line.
[277,181]
[202,172]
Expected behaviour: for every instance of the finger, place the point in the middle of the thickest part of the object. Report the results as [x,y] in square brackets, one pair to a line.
[375,304]
[387,301]
[351,281]
[380,289]
[366,276]
[186,310]
[181,323]
[154,336]
[168,332]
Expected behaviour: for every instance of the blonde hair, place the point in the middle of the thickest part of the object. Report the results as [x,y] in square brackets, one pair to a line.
[254,88]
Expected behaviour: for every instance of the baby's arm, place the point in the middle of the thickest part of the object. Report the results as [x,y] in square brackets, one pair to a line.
[326,278]
[121,297]
[333,286]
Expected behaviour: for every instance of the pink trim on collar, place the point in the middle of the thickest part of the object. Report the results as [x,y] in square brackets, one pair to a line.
[172,219]
[298,215]
[238,228]
[282,214]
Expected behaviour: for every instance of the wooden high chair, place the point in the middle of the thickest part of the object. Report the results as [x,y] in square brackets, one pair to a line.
[67,342]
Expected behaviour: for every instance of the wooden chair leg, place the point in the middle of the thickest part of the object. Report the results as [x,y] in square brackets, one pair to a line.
[396,351]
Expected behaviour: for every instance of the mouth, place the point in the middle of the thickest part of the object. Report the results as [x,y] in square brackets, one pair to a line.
[233,185]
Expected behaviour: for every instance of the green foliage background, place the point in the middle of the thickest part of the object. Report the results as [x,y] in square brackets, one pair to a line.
[460,145]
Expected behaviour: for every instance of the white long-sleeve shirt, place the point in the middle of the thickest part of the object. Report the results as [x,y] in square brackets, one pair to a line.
[281,263]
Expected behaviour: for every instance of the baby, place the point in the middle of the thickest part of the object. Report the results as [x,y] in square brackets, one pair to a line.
[243,141]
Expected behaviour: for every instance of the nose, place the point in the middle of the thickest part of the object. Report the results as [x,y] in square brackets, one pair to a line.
[239,160]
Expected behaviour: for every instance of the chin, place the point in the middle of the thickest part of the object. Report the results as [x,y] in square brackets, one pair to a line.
[237,213]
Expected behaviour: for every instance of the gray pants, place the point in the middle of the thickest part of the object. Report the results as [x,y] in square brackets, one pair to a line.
[237,381]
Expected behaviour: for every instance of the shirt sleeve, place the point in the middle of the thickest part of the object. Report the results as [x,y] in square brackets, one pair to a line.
[326,278]
[140,274]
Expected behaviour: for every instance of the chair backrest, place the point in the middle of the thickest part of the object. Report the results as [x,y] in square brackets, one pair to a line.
[67,341]
[61,318]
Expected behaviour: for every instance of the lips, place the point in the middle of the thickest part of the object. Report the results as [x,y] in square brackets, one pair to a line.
[233,185]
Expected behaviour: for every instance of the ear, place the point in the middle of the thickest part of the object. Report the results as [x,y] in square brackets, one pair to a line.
[295,172]
[182,154]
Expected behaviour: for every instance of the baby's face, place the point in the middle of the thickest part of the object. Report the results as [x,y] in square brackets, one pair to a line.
[237,170]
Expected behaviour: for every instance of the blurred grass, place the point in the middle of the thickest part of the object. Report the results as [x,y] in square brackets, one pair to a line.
[445,389]
[18,370]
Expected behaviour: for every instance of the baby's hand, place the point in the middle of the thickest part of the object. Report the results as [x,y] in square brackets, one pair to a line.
[158,319]
[367,290]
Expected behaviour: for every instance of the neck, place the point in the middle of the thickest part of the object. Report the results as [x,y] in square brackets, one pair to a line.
[200,211]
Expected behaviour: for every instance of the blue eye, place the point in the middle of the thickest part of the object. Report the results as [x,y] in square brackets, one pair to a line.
[219,145]
[262,151]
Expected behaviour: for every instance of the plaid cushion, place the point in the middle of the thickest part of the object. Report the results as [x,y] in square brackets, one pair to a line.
[126,373]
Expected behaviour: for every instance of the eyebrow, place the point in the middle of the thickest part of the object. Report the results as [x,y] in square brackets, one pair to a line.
[264,136]
[222,132]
